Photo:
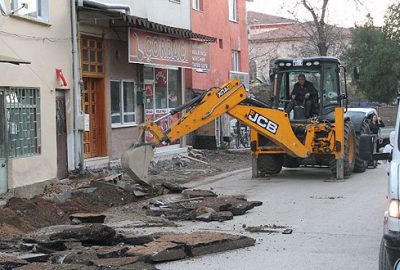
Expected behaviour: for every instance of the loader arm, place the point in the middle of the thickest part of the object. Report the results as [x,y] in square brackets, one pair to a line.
[230,98]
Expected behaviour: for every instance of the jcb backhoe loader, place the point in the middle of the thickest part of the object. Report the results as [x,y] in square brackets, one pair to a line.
[277,138]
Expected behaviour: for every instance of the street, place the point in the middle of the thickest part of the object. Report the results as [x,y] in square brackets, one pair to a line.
[336,225]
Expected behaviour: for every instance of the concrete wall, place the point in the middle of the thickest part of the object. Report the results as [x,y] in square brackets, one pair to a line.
[47,46]
[166,12]
[233,36]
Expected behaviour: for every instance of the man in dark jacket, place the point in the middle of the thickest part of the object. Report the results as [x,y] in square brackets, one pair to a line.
[303,94]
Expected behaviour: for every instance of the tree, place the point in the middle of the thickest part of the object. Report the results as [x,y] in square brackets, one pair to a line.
[392,22]
[377,58]
[323,38]
[320,26]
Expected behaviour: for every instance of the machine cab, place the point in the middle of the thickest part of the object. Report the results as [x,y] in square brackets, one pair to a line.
[321,72]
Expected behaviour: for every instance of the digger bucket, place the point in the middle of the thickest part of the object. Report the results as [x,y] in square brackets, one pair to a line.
[136,161]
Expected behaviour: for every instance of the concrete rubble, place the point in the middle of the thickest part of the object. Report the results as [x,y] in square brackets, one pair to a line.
[100,246]
[65,227]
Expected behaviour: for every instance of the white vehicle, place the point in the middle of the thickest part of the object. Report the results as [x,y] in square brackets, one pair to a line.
[389,255]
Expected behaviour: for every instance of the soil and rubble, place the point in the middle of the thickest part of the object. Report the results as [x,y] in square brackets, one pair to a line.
[70,226]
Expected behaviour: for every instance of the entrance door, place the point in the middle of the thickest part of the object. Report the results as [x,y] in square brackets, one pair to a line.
[3,146]
[93,105]
[62,161]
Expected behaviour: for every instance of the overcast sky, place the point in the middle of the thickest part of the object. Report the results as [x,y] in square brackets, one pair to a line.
[341,12]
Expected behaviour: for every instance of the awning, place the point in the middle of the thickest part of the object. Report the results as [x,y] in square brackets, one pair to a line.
[120,19]
[11,60]
[147,25]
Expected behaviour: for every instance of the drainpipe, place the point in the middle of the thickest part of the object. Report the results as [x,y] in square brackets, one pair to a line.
[78,156]
[105,6]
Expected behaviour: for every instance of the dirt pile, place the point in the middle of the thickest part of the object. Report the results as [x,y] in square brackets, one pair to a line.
[20,216]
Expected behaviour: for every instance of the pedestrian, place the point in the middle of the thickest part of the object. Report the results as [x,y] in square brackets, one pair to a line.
[388,149]
[375,124]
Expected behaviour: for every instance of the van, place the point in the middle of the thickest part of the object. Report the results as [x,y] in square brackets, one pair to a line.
[389,252]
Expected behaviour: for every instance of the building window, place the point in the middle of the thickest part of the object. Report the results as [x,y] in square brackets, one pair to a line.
[198,5]
[23,119]
[123,103]
[92,56]
[37,9]
[235,60]
[233,10]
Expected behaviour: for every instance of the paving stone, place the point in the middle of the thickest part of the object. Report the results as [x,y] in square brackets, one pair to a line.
[88,217]
[48,266]
[84,256]
[111,252]
[221,216]
[136,240]
[94,234]
[10,262]
[137,266]
[115,262]
[200,243]
[159,251]
[35,257]
[195,193]
[173,187]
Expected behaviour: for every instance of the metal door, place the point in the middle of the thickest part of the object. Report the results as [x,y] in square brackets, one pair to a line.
[62,161]
[3,145]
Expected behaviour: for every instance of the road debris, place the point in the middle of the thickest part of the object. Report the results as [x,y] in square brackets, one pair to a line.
[270,228]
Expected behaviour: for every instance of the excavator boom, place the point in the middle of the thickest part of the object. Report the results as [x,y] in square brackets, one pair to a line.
[230,98]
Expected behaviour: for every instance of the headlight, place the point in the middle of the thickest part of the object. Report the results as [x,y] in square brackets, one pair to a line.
[394,209]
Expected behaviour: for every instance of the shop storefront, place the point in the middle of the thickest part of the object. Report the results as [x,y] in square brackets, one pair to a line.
[164,59]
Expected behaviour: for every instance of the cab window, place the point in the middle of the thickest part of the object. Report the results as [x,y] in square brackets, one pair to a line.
[330,87]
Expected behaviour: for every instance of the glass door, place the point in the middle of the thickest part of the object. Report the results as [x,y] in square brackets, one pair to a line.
[3,145]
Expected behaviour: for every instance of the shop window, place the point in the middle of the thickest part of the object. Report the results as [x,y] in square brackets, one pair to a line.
[23,118]
[233,10]
[235,60]
[198,5]
[36,9]
[92,56]
[123,103]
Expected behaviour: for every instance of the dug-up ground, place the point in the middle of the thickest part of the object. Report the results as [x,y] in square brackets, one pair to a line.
[100,220]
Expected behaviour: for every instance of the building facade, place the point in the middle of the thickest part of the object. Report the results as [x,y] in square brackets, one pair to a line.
[35,99]
[225,20]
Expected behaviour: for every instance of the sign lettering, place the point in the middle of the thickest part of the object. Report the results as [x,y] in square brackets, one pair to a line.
[263,122]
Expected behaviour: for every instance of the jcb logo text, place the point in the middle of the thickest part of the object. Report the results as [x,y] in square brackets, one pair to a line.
[263,122]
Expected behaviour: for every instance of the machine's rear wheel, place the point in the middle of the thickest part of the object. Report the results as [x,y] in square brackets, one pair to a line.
[360,164]
[349,151]
[269,164]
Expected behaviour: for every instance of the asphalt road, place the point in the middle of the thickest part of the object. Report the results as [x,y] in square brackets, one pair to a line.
[336,225]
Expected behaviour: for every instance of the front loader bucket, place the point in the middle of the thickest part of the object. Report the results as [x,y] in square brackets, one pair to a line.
[136,161]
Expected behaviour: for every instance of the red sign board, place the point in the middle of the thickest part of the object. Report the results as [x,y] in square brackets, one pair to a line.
[148,48]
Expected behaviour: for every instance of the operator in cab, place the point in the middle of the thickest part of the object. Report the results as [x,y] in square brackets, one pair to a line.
[303,94]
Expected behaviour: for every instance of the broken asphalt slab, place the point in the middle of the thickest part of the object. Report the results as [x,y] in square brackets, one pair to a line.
[194,209]
[176,246]
[94,234]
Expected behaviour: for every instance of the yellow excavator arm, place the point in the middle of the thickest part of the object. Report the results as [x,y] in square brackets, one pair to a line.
[230,98]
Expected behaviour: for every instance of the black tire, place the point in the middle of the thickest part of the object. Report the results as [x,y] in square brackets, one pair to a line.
[383,259]
[349,151]
[290,162]
[361,165]
[269,164]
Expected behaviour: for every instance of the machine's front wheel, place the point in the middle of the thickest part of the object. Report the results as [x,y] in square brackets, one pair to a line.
[269,164]
[349,151]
